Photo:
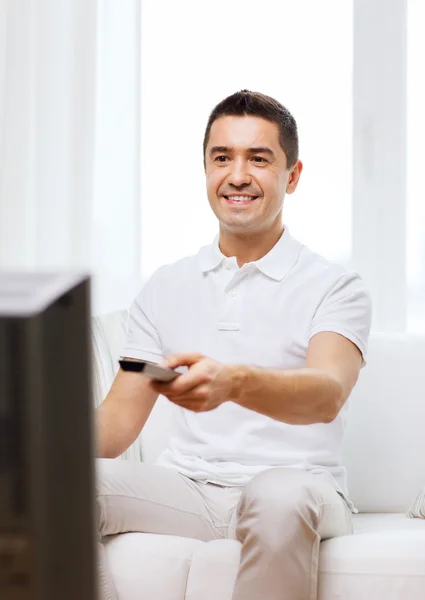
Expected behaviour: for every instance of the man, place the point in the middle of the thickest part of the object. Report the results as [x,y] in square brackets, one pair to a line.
[274,337]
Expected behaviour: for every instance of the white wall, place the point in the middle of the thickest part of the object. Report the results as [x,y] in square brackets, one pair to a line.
[196,53]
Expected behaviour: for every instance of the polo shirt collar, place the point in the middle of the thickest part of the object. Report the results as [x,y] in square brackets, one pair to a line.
[275,264]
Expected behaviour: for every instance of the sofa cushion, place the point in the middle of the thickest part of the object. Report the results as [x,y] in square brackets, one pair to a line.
[373,522]
[217,563]
[385,558]
[172,568]
[384,564]
[146,565]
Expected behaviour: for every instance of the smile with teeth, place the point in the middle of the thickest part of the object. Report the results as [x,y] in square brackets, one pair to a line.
[241,198]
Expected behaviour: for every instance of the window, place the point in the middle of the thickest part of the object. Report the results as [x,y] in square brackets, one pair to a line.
[196,53]
[415,166]
[355,83]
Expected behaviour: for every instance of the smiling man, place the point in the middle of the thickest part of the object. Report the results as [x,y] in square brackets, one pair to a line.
[273,337]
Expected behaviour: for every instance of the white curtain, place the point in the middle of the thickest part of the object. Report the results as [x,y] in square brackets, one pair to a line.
[69,141]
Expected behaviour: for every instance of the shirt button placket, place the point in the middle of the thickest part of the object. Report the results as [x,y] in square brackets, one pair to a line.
[233,300]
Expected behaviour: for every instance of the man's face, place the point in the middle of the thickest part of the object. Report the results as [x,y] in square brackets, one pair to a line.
[246,173]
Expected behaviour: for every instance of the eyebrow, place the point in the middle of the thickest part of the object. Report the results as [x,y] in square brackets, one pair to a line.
[216,149]
[261,150]
[257,150]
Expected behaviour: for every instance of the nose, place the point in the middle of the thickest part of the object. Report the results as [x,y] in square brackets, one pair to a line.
[239,174]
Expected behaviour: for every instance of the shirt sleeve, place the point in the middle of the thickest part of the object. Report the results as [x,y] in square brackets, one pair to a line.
[143,340]
[346,309]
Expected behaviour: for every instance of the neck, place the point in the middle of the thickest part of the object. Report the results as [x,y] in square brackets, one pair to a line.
[249,246]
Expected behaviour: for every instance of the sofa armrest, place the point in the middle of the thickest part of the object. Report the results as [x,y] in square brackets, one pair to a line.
[108,338]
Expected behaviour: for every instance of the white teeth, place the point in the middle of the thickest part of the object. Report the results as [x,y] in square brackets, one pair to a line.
[240,198]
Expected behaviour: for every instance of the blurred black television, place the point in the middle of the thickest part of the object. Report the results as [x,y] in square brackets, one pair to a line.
[47,536]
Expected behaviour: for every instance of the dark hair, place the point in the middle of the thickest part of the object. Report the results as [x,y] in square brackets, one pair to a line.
[259,105]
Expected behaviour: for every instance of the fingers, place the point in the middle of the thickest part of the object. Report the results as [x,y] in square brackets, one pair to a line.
[194,389]
[186,382]
[198,401]
[182,385]
[182,360]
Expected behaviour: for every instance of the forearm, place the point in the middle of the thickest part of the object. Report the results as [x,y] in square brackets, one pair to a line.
[115,431]
[122,415]
[297,397]
[111,438]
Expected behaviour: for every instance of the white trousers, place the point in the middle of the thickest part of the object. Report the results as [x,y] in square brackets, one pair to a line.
[279,518]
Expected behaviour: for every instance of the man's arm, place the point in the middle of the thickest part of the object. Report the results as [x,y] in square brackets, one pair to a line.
[314,394]
[124,412]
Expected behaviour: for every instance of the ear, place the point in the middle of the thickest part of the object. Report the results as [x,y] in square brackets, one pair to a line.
[294,177]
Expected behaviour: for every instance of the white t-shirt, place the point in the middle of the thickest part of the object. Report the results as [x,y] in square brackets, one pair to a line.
[262,314]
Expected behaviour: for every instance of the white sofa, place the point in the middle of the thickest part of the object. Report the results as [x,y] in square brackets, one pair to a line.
[385,456]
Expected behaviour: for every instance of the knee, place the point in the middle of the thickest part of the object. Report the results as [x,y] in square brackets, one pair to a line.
[282,495]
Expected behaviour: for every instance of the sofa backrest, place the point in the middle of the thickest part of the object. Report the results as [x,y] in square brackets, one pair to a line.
[384,448]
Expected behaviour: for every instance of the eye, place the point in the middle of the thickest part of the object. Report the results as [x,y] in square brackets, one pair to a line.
[259,160]
[221,159]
